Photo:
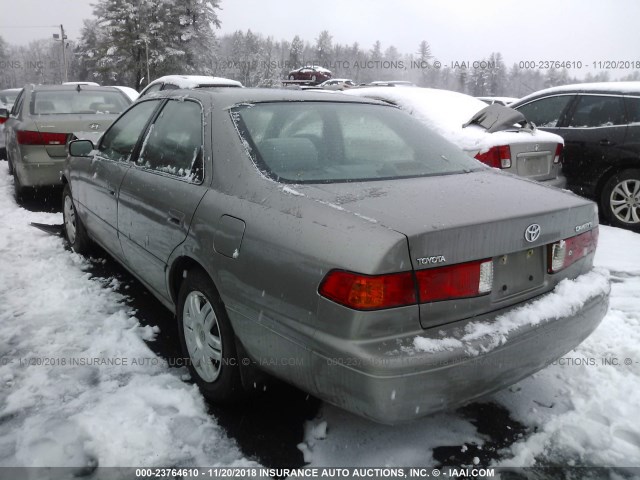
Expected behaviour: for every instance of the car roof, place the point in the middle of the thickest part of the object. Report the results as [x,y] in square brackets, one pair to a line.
[68,88]
[193,81]
[599,87]
[227,97]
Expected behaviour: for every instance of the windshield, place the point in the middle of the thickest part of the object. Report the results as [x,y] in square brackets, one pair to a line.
[57,102]
[311,142]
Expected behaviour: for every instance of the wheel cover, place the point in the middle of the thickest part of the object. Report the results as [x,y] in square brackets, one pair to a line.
[625,201]
[202,336]
[70,219]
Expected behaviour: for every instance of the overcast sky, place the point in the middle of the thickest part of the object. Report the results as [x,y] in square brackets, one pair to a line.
[573,30]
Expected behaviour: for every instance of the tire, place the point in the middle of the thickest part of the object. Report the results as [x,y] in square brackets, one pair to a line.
[207,339]
[620,199]
[74,230]
[313,78]
[10,164]
[291,77]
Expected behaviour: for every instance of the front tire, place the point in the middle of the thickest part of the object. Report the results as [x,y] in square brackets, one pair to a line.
[207,339]
[620,199]
[74,230]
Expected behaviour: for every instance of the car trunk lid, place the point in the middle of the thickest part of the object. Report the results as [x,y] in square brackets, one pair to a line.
[453,219]
[70,126]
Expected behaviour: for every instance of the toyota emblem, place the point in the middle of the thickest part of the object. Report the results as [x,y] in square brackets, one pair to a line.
[532,233]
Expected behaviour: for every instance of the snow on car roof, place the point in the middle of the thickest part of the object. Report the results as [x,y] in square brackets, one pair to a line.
[193,81]
[620,87]
[445,112]
[317,68]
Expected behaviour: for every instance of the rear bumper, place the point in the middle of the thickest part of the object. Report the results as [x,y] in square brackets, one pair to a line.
[559,182]
[389,383]
[38,169]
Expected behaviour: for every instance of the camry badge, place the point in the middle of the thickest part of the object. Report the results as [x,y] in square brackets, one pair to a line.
[532,233]
[94,126]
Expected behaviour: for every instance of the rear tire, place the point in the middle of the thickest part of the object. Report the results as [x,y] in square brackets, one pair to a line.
[291,77]
[620,199]
[207,339]
[74,230]
[18,189]
[10,164]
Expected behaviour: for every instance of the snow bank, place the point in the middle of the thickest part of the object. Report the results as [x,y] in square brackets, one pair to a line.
[80,388]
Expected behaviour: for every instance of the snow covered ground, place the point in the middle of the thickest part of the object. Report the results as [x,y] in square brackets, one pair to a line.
[116,403]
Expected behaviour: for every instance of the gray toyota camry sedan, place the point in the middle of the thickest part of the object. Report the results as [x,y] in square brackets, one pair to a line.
[336,243]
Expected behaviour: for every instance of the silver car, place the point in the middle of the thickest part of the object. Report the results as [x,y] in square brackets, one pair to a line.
[315,237]
[45,117]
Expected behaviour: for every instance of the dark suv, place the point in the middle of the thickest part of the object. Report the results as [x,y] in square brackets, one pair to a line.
[600,124]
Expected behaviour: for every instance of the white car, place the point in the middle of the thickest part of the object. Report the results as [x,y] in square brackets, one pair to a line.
[496,135]
[129,92]
[172,82]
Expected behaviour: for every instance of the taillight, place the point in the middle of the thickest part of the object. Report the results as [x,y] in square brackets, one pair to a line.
[376,292]
[2,120]
[564,253]
[497,157]
[30,137]
[456,281]
[369,292]
[556,157]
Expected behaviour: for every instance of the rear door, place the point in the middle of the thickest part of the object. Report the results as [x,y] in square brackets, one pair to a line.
[594,131]
[160,193]
[95,181]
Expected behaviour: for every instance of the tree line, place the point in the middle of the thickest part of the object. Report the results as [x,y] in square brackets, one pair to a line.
[125,39]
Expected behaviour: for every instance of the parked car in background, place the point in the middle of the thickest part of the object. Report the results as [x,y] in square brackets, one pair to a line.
[340,232]
[506,101]
[44,118]
[92,84]
[310,73]
[129,92]
[600,124]
[7,98]
[172,82]
[337,84]
[498,137]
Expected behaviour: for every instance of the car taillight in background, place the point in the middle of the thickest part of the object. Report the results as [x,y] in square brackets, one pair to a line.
[497,157]
[2,120]
[30,137]
[377,292]
[558,155]
[564,253]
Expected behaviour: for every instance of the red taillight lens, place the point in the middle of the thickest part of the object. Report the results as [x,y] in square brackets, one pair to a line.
[564,253]
[376,292]
[558,155]
[30,137]
[497,157]
[456,281]
[2,120]
[369,292]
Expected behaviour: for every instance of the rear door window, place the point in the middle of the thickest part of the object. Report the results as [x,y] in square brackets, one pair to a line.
[594,111]
[173,144]
[546,112]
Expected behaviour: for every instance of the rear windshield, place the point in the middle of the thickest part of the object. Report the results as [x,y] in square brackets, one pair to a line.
[72,101]
[314,142]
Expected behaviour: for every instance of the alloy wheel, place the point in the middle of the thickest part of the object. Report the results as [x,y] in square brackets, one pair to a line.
[625,201]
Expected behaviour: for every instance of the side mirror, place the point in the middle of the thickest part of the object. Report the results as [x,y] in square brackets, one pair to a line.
[4,113]
[80,148]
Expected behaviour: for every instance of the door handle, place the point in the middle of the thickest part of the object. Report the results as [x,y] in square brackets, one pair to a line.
[176,217]
[605,142]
